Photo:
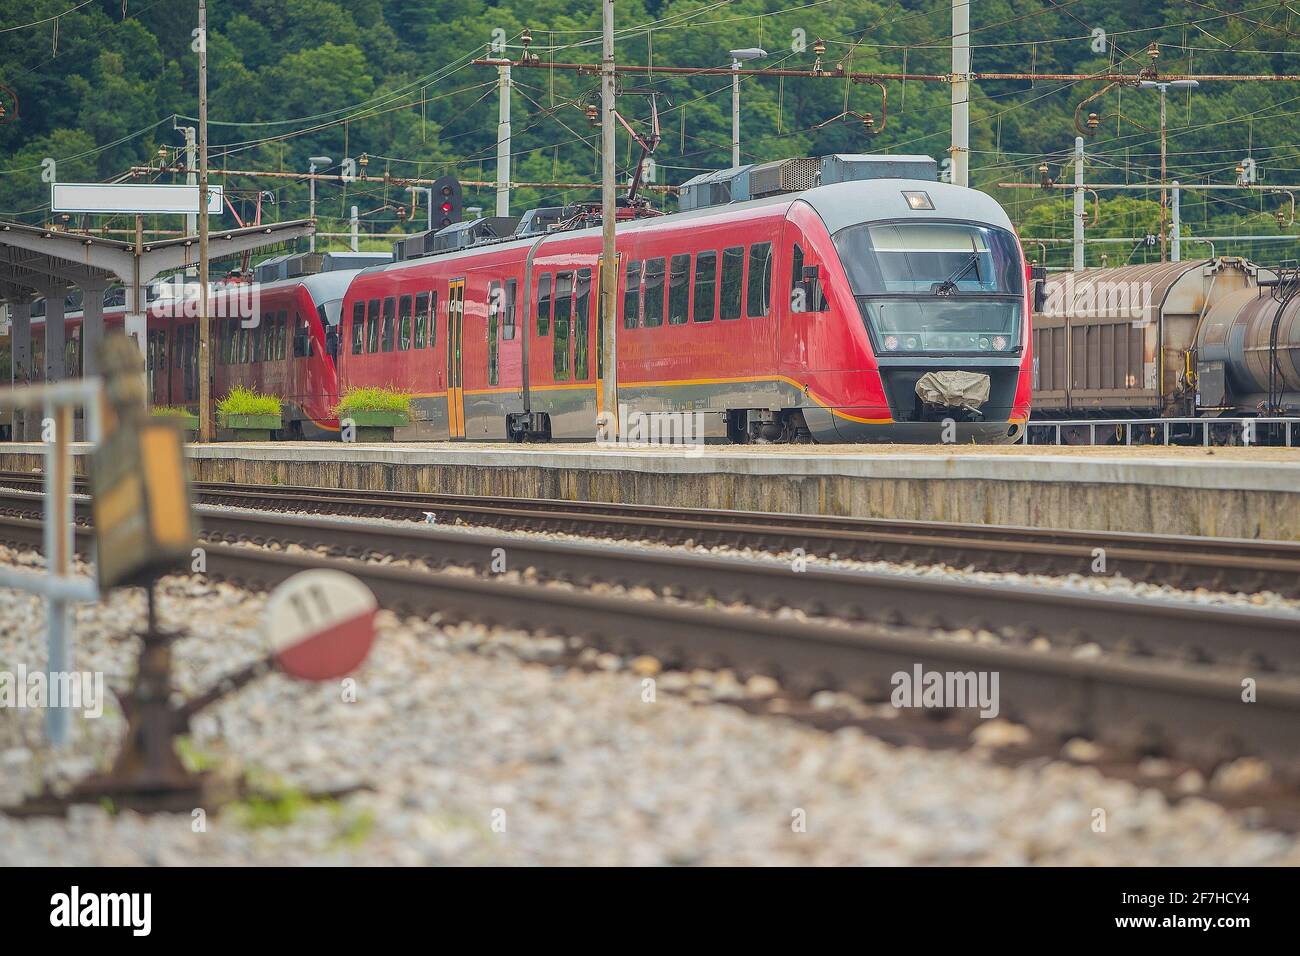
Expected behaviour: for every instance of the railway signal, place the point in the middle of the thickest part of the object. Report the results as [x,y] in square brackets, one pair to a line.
[320,624]
[448,201]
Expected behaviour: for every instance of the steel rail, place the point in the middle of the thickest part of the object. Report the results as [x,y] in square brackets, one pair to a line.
[1182,561]
[1141,706]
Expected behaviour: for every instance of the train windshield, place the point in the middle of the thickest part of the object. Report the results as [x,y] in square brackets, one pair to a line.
[935,286]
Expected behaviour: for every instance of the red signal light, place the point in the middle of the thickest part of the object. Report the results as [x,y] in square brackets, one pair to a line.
[446,208]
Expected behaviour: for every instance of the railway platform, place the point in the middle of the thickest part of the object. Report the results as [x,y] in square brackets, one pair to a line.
[1222,492]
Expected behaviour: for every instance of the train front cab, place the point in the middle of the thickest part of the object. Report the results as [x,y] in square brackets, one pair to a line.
[872,325]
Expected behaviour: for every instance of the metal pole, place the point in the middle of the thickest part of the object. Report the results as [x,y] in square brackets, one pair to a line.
[58,527]
[355,223]
[311,205]
[1176,227]
[735,113]
[191,179]
[503,145]
[609,216]
[961,92]
[1078,203]
[1164,195]
[205,351]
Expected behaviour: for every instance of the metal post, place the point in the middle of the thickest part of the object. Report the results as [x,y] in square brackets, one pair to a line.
[609,216]
[961,92]
[1176,227]
[1078,203]
[1164,195]
[355,224]
[205,352]
[735,113]
[55,333]
[311,204]
[191,178]
[58,550]
[503,145]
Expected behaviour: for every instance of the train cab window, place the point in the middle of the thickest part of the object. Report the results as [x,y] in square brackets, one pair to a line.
[758,291]
[421,319]
[389,332]
[706,283]
[799,301]
[496,303]
[404,324]
[581,313]
[358,327]
[733,268]
[654,292]
[544,305]
[632,296]
[372,326]
[679,289]
[433,318]
[563,303]
[508,317]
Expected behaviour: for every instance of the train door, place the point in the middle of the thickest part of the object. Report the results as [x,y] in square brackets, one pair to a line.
[455,339]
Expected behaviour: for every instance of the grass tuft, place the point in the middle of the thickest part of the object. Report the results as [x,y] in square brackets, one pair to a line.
[244,401]
[373,400]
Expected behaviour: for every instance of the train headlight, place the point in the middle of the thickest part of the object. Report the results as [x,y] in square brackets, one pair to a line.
[999,342]
[891,342]
[911,342]
[984,341]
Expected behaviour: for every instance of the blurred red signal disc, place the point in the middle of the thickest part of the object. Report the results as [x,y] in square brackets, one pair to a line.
[320,624]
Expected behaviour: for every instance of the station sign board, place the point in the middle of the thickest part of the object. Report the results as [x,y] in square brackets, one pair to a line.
[133,198]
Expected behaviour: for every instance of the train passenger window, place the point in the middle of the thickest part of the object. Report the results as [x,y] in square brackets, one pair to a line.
[301,337]
[433,318]
[654,292]
[372,326]
[255,348]
[281,333]
[544,304]
[281,321]
[733,268]
[758,292]
[388,334]
[358,327]
[421,319]
[404,324]
[508,319]
[581,311]
[706,281]
[679,289]
[632,296]
[563,303]
[496,302]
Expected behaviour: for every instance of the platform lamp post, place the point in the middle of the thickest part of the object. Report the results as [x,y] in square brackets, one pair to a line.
[317,162]
[737,56]
[1164,86]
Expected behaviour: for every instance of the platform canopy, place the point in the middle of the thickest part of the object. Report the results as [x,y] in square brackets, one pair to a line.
[38,261]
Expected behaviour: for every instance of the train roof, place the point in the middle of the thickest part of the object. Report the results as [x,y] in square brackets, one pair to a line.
[838,205]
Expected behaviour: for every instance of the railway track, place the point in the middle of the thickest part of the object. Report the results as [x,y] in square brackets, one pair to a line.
[1182,561]
[1140,704]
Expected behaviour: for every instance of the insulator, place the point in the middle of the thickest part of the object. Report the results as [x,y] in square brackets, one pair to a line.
[1153,51]
[593,114]
[819,46]
[1281,218]
[364,161]
[1093,121]
[526,38]
[869,123]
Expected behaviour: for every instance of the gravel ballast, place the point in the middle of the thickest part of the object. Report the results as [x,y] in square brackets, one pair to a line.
[477,748]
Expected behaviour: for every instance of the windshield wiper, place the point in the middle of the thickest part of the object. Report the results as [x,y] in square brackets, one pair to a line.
[949,285]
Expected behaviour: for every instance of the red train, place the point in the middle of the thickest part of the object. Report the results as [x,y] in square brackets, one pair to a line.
[825,301]
[809,314]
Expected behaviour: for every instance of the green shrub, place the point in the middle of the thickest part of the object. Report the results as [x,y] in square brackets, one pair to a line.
[244,401]
[373,400]
[171,411]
